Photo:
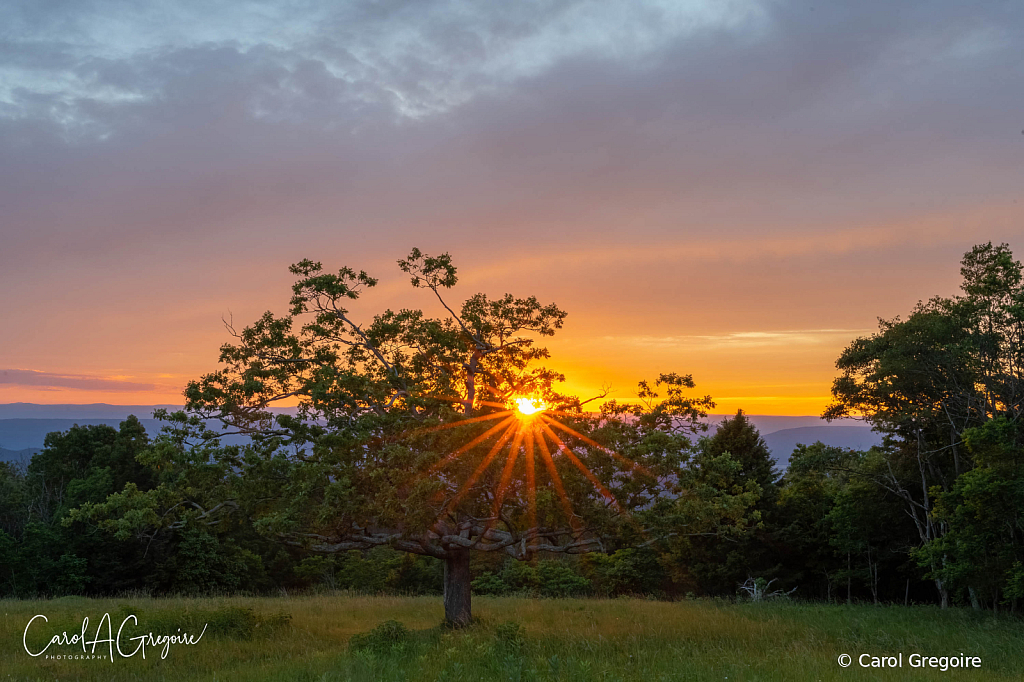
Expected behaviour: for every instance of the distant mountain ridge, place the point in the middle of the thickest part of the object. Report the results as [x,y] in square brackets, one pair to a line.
[783,442]
[769,423]
[23,427]
[19,457]
[22,434]
[89,411]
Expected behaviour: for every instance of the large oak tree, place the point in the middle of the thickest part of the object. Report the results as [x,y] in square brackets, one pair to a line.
[403,433]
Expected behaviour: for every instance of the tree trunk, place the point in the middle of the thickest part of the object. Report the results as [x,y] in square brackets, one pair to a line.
[873,568]
[873,576]
[849,579]
[471,366]
[943,593]
[457,610]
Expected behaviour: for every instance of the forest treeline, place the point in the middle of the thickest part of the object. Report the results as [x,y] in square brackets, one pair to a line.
[804,537]
[933,515]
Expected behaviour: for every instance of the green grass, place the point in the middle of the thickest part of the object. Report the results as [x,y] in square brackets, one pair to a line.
[307,638]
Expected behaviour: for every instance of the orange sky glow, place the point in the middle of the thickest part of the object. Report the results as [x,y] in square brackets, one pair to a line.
[754,335]
[730,190]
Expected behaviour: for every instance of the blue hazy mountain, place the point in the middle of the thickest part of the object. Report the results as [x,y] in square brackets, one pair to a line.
[22,434]
[782,434]
[784,441]
[19,457]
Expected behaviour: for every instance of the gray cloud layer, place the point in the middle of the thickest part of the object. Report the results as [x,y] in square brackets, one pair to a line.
[118,120]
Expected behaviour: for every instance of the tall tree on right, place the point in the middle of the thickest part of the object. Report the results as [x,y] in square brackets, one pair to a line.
[952,365]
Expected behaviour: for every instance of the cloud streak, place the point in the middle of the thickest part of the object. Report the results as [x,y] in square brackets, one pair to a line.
[737,340]
[77,382]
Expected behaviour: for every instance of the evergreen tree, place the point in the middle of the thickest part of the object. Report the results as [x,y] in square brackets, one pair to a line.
[717,563]
[738,437]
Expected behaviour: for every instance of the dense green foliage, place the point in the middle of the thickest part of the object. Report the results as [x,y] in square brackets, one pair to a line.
[384,471]
[817,532]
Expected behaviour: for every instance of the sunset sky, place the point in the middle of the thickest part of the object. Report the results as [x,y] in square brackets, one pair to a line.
[725,188]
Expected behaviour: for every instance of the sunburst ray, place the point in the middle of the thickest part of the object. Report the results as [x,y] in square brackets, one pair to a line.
[580,465]
[556,480]
[509,421]
[506,477]
[463,422]
[531,482]
[590,441]
[590,476]
[506,474]
[495,449]
[525,433]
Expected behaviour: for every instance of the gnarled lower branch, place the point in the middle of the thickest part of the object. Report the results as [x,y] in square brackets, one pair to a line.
[468,535]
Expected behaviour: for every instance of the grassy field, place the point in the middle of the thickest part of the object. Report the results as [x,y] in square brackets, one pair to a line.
[308,638]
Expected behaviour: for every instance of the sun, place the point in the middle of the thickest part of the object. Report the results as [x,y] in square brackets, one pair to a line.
[528,406]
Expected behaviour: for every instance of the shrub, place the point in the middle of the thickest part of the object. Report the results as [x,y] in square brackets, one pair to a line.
[627,571]
[546,579]
[388,637]
[202,564]
[559,580]
[490,583]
